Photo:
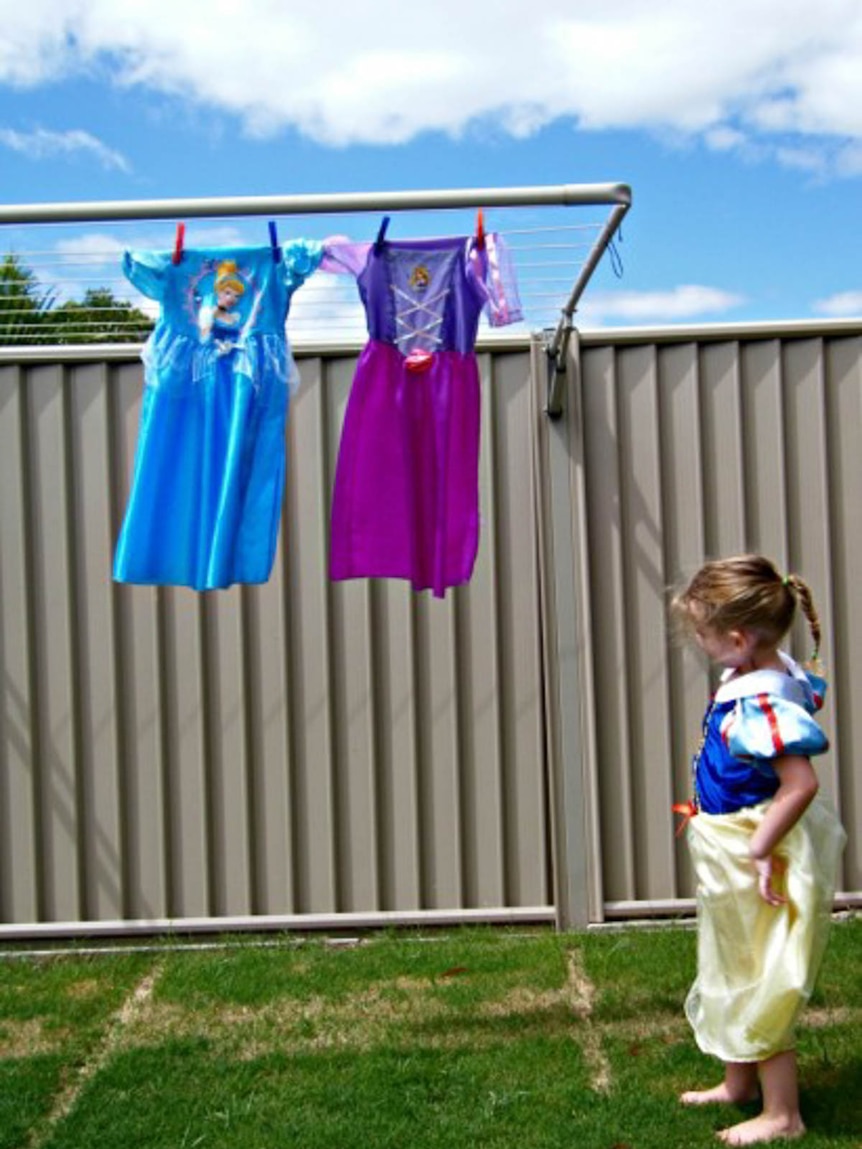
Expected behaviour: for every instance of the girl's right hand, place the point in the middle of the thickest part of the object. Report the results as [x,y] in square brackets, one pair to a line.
[768,868]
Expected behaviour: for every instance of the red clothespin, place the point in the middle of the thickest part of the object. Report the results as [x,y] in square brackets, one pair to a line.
[480,230]
[178,243]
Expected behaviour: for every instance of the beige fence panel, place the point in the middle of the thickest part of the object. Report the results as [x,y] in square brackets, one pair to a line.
[307,753]
[297,751]
[686,448]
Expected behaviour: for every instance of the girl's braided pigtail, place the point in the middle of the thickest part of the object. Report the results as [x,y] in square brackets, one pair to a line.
[802,591]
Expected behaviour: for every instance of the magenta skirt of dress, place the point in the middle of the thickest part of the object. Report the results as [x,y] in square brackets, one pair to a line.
[406,495]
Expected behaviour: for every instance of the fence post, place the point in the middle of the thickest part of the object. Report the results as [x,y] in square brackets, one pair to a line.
[559,486]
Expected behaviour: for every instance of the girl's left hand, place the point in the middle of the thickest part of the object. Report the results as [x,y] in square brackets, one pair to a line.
[767,869]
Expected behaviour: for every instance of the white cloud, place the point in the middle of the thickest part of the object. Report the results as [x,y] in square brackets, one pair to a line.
[848,160]
[845,303]
[41,144]
[94,259]
[813,160]
[327,309]
[97,247]
[726,139]
[382,72]
[686,302]
[90,249]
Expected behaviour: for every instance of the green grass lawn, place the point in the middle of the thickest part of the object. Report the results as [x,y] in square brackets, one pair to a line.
[460,1039]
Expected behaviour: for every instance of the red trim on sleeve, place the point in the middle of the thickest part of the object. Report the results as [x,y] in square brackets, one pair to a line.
[772,719]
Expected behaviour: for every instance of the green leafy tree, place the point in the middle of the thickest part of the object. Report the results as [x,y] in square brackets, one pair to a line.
[29,315]
[23,306]
[99,318]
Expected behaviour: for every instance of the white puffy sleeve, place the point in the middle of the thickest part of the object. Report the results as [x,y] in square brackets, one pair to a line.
[766,726]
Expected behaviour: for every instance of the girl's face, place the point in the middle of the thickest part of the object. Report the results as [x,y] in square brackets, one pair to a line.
[731,649]
[721,648]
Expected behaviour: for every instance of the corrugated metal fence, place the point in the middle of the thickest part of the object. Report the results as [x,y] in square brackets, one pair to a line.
[301,748]
[307,752]
[679,447]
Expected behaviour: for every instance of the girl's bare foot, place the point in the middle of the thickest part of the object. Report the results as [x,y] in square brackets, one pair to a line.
[723,1093]
[763,1128]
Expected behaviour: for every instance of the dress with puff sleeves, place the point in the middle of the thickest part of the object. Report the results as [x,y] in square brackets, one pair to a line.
[757,963]
[406,497]
[208,479]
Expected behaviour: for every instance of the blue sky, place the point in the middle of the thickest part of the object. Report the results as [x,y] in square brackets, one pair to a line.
[738,125]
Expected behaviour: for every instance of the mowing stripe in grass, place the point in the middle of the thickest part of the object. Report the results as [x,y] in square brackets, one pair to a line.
[125,1016]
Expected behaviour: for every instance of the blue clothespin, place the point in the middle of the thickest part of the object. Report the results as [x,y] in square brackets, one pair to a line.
[381,234]
[273,241]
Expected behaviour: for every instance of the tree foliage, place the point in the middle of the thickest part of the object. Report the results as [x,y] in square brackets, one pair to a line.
[31,316]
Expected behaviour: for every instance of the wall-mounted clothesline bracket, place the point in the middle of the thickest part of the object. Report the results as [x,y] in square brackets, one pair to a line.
[557,344]
[617,196]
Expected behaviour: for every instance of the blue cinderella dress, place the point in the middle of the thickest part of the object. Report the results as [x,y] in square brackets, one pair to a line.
[208,479]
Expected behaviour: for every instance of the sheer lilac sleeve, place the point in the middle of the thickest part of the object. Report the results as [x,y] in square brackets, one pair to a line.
[343,256]
[495,270]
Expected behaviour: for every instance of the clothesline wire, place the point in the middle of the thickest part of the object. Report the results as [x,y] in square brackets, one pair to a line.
[547,256]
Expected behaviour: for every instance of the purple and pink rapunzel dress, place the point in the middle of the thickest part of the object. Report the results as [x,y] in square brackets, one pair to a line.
[406,496]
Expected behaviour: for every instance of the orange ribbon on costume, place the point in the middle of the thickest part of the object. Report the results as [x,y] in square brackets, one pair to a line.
[687,809]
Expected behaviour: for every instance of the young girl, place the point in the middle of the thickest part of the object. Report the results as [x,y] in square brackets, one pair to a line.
[765,852]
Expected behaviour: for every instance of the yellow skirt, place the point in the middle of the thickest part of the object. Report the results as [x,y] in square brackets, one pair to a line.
[756,963]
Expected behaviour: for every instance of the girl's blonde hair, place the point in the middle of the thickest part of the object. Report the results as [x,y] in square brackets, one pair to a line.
[747,593]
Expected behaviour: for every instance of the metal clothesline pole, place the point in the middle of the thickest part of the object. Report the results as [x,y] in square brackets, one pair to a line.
[100,211]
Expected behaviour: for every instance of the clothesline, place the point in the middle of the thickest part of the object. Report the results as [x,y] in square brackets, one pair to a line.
[546,260]
[210,460]
[75,251]
[517,214]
